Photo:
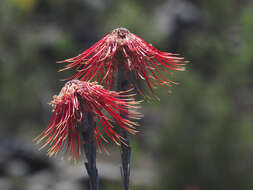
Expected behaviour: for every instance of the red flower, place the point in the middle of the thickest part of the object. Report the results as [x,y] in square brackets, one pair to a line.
[78,98]
[101,61]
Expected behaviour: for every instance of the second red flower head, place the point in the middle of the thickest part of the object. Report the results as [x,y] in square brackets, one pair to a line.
[101,61]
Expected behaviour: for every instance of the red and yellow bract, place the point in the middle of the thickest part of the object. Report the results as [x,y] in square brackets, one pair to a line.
[100,62]
[78,98]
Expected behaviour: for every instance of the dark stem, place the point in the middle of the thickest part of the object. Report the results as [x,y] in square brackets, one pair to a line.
[90,150]
[123,85]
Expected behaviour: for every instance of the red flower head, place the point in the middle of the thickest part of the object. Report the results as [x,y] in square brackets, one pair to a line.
[78,98]
[101,61]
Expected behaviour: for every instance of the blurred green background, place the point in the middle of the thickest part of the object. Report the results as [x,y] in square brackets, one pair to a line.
[199,137]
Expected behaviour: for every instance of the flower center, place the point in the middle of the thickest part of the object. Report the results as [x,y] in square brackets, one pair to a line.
[119,36]
[122,32]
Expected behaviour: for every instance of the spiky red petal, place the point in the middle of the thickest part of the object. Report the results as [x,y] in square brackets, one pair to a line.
[77,98]
[148,63]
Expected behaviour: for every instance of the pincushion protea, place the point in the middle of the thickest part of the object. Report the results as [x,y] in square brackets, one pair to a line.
[78,98]
[120,46]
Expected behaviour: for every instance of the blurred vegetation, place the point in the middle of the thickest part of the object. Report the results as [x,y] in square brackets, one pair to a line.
[200,136]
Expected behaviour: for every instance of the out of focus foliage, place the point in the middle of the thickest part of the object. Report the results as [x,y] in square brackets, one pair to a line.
[207,140]
[201,135]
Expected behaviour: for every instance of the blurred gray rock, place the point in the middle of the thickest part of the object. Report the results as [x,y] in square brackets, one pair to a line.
[5,184]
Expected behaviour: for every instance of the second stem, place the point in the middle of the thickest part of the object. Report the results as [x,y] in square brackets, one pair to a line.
[123,85]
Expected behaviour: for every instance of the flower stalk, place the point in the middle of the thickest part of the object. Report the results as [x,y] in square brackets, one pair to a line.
[90,150]
[122,85]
